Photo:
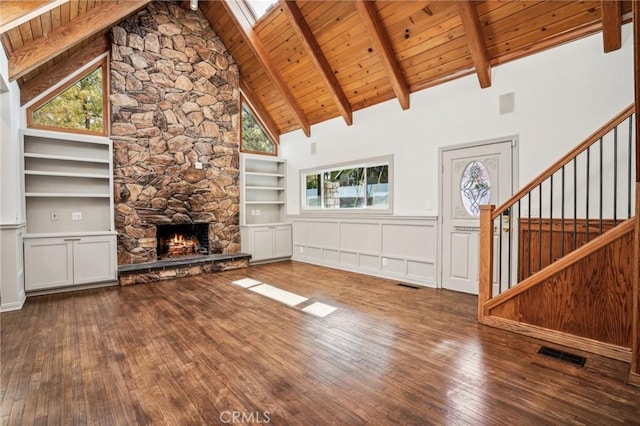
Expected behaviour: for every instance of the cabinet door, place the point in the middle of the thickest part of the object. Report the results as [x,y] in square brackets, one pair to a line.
[261,243]
[48,263]
[282,246]
[94,259]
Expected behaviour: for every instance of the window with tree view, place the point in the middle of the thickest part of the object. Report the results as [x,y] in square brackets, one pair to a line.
[365,185]
[254,139]
[78,106]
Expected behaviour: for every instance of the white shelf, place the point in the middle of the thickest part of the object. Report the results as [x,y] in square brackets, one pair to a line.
[265,188]
[66,158]
[276,175]
[65,174]
[65,195]
[264,202]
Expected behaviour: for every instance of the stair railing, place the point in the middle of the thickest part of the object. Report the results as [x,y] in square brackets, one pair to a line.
[588,191]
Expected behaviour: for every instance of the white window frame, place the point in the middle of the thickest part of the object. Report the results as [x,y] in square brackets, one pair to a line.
[368,162]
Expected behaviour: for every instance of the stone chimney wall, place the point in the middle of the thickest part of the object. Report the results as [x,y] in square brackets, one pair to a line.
[174,108]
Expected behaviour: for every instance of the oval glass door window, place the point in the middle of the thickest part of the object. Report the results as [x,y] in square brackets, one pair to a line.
[475,187]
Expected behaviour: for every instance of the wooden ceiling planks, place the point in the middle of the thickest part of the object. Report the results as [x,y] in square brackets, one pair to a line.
[251,70]
[320,63]
[427,39]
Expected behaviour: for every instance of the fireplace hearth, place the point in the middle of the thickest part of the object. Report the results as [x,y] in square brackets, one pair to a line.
[182,241]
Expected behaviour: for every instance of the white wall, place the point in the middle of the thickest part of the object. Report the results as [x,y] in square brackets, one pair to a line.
[10,116]
[12,294]
[561,96]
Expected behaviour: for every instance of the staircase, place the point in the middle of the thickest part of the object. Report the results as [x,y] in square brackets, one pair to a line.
[558,261]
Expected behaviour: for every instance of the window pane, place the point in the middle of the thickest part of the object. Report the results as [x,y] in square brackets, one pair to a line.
[314,191]
[253,137]
[79,107]
[378,186]
[344,188]
[475,187]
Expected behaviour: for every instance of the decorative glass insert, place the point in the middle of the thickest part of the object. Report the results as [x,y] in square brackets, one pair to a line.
[79,106]
[254,139]
[475,187]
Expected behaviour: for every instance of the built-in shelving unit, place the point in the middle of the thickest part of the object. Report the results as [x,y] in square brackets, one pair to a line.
[264,232]
[68,200]
[263,190]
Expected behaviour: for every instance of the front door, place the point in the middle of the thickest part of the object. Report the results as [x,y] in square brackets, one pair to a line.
[471,176]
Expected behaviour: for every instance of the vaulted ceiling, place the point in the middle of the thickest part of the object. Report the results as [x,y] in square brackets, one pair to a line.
[308,61]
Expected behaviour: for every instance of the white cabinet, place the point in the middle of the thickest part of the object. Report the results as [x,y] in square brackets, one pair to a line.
[65,261]
[267,242]
[67,186]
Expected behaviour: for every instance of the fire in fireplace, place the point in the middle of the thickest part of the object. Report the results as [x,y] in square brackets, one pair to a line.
[176,241]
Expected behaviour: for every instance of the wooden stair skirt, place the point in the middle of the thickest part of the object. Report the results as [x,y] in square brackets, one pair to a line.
[583,300]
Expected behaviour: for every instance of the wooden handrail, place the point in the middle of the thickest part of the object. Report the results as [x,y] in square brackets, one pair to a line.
[565,160]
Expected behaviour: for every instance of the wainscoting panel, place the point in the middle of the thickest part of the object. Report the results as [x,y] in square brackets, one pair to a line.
[323,234]
[360,237]
[402,248]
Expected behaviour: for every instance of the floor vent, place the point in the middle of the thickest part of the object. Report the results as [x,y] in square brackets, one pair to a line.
[413,286]
[563,356]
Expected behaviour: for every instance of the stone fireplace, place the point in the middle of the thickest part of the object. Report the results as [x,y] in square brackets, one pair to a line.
[174,110]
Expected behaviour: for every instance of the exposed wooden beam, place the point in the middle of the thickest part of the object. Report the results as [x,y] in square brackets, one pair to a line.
[44,81]
[257,47]
[475,41]
[41,50]
[611,25]
[381,43]
[310,43]
[262,116]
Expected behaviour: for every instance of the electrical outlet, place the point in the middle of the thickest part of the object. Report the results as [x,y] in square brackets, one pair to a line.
[53,216]
[253,212]
[301,249]
[76,216]
[198,165]
[384,261]
[257,212]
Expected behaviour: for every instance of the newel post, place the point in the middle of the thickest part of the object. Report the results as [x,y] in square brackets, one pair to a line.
[486,258]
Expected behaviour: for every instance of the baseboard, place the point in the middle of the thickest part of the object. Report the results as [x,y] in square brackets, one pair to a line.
[634,380]
[72,288]
[14,306]
[569,340]
[376,273]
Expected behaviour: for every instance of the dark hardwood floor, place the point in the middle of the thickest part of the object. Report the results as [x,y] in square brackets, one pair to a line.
[203,351]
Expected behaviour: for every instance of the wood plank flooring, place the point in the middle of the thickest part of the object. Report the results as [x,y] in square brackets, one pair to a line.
[200,350]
